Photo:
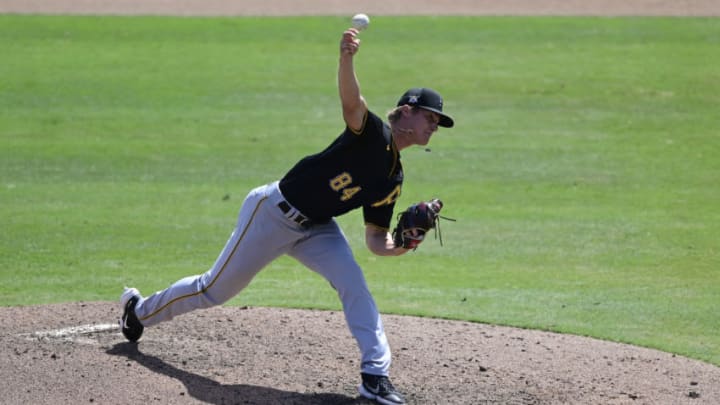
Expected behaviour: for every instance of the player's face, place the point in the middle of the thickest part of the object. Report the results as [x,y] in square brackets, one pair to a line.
[425,123]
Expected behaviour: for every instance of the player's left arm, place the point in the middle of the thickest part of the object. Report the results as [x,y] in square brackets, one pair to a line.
[380,241]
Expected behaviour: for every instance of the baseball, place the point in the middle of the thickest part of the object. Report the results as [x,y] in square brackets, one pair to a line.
[360,21]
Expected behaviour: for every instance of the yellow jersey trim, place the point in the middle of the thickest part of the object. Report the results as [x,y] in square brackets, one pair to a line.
[362,127]
[222,269]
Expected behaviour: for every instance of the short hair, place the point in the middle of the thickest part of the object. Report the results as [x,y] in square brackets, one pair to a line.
[395,113]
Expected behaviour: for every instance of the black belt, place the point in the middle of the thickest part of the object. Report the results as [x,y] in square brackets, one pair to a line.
[296,216]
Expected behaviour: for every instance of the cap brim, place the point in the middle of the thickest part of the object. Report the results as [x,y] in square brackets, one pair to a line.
[446,121]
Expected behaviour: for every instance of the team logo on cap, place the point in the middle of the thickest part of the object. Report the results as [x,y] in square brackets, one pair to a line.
[413,100]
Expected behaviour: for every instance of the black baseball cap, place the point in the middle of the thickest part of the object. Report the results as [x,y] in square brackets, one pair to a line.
[427,99]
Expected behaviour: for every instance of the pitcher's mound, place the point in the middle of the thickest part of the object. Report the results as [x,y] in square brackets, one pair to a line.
[74,353]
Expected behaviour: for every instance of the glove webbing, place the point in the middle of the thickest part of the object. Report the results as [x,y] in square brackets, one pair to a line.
[437,227]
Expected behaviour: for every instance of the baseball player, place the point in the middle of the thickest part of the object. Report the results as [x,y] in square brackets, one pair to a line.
[295,216]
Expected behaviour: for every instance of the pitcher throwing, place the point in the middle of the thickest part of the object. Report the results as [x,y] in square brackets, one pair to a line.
[295,216]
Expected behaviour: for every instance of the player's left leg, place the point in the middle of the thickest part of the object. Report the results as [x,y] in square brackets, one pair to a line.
[328,253]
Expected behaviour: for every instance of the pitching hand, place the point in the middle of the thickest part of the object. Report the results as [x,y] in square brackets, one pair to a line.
[350,43]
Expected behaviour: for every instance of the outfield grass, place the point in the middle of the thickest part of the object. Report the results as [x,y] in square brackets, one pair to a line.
[583,169]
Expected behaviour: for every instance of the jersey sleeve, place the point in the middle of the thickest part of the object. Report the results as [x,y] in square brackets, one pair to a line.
[362,128]
[379,216]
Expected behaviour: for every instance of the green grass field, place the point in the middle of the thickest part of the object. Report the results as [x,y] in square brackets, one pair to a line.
[583,170]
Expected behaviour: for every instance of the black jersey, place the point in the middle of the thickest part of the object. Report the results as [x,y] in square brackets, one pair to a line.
[359,169]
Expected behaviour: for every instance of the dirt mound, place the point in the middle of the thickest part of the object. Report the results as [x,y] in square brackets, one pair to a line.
[74,353]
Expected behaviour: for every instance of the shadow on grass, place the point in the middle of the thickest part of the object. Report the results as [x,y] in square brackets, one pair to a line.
[209,391]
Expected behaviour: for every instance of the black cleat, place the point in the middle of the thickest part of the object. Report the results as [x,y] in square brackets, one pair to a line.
[380,389]
[129,323]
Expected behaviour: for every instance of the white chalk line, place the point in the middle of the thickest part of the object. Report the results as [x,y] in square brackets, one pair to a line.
[73,333]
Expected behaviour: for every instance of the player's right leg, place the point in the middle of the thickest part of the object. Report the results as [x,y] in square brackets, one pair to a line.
[261,235]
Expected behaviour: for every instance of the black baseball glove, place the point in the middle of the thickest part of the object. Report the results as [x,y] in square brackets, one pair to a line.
[415,222]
